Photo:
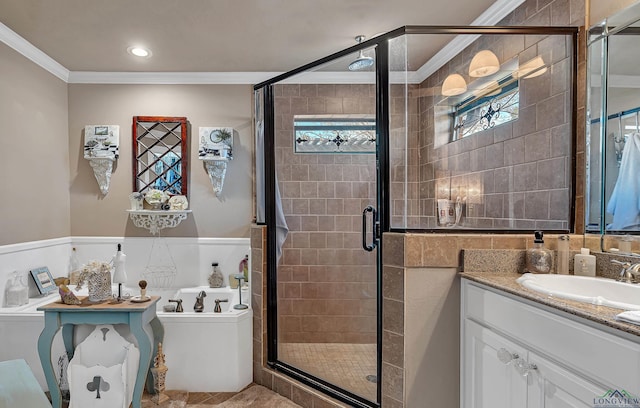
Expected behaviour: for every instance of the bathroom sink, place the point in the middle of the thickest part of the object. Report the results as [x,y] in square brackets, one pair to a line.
[585,289]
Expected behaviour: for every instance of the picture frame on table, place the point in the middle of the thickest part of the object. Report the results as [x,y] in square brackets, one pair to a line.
[43,279]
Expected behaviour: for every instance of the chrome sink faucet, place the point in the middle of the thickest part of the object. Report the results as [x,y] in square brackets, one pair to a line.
[630,273]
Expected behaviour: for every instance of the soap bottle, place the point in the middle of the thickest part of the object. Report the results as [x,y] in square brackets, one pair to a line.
[584,264]
[216,279]
[538,259]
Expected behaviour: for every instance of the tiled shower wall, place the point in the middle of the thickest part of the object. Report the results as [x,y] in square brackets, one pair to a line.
[514,175]
[326,282]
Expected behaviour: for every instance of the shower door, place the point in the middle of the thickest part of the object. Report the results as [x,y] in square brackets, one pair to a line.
[326,328]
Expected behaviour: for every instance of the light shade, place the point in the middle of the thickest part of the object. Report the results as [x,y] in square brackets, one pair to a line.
[454,85]
[531,69]
[484,63]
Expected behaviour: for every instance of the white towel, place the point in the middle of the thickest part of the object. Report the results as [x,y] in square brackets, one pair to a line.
[632,317]
[624,203]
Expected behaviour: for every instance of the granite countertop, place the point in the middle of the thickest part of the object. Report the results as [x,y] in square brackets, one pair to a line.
[506,281]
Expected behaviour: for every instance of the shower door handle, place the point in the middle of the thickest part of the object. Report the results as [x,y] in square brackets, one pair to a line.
[374,228]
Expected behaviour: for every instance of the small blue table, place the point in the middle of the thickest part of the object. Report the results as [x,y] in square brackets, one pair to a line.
[140,317]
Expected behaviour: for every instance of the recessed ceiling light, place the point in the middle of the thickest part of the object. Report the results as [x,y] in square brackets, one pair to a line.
[139,52]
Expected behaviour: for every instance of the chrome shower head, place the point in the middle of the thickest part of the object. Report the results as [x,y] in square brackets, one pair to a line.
[362,61]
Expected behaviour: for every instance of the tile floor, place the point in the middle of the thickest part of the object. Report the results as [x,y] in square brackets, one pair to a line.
[346,365]
[178,399]
[201,398]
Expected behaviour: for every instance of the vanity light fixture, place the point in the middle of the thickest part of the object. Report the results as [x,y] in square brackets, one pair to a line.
[531,68]
[139,51]
[454,85]
[483,64]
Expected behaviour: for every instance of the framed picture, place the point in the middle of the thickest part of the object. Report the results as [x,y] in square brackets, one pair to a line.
[43,279]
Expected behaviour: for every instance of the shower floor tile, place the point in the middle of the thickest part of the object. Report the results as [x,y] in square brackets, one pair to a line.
[345,365]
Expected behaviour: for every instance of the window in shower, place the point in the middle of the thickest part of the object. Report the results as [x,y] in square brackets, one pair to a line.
[334,133]
[474,115]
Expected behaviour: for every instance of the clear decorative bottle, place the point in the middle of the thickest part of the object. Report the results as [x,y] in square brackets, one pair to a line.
[538,259]
[216,279]
[16,292]
[74,267]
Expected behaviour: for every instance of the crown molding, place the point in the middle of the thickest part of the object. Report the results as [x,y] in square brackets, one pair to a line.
[230,78]
[31,52]
[491,16]
[169,78]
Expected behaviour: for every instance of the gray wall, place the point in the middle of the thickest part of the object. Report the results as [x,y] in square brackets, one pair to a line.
[203,105]
[33,142]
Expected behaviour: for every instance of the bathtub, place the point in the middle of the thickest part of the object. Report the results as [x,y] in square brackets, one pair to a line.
[204,352]
[208,351]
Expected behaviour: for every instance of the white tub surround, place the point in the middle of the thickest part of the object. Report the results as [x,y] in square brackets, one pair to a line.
[204,351]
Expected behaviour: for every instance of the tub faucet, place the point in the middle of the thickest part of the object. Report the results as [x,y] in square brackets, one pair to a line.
[179,305]
[199,306]
[217,308]
[630,272]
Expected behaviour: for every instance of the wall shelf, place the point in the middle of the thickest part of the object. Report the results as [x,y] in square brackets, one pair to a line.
[156,220]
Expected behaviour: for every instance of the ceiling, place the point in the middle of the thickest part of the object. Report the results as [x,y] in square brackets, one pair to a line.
[216,35]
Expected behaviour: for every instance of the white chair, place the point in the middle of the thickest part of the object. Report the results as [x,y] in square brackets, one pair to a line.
[103,370]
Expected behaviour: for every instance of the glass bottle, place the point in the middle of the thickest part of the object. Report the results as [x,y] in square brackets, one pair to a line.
[16,291]
[74,267]
[216,279]
[538,259]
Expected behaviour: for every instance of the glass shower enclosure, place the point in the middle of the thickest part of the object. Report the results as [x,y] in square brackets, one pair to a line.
[375,139]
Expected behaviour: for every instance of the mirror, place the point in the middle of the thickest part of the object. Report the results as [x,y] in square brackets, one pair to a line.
[613,127]
[160,154]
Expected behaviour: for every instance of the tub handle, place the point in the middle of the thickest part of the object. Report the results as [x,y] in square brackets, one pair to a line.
[179,306]
[217,308]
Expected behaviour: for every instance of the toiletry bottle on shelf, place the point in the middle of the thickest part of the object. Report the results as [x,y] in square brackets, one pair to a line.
[584,264]
[538,259]
[216,279]
[562,263]
[74,267]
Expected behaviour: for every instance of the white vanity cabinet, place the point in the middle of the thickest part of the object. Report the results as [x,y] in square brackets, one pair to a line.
[490,382]
[517,355]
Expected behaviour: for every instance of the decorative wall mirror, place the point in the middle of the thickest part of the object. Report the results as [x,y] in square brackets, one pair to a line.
[613,127]
[160,154]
